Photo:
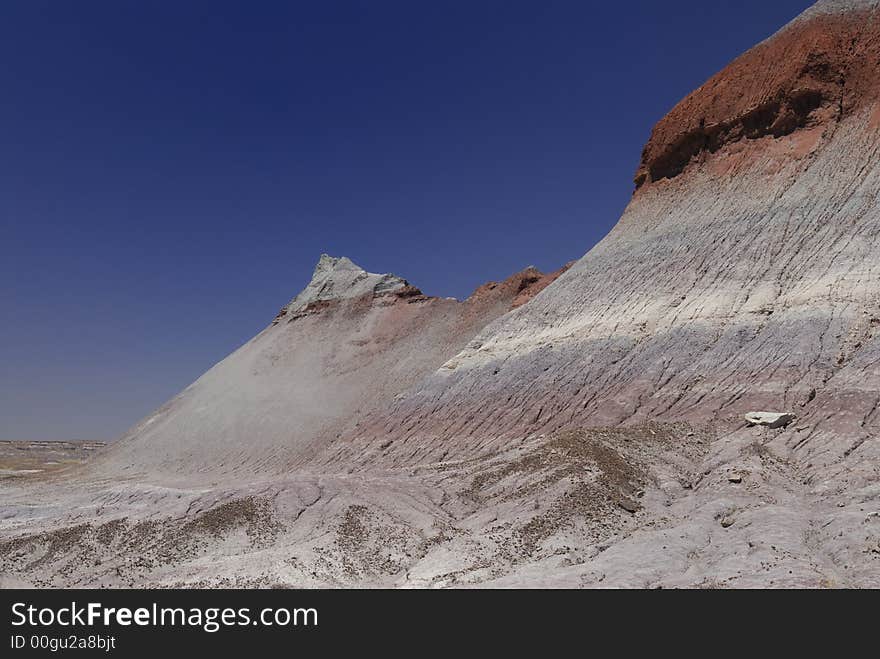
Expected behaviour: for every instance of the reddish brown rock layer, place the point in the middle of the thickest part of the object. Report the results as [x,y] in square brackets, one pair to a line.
[535,283]
[811,73]
[521,287]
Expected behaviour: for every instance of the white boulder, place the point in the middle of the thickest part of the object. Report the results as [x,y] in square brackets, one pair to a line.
[770,419]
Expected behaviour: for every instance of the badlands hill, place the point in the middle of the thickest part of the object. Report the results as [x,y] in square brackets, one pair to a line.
[581,430]
[348,343]
[742,276]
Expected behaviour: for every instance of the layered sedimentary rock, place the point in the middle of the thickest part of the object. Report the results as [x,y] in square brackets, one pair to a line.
[743,275]
[349,342]
[820,68]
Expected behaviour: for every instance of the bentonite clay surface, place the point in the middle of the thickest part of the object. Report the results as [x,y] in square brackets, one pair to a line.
[586,429]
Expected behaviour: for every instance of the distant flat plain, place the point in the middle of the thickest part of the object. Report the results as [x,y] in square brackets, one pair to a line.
[20,458]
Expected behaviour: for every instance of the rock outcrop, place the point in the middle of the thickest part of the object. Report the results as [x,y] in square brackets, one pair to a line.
[820,69]
[770,420]
[339,279]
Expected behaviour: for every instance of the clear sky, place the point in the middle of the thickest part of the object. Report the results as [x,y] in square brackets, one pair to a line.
[171,171]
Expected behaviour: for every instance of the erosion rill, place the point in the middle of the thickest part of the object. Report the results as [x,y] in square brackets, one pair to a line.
[628,423]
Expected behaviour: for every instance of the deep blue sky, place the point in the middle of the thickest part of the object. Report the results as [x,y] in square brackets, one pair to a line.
[171,171]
